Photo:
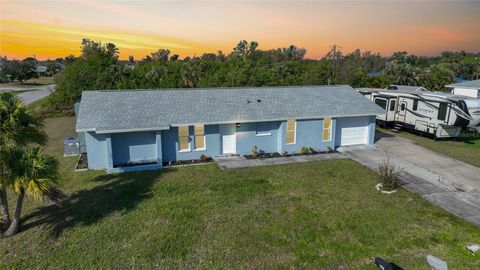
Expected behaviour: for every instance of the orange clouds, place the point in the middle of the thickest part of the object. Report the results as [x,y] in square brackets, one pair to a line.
[55,28]
[442,33]
[20,39]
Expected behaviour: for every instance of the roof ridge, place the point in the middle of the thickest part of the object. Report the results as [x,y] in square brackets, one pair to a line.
[217,88]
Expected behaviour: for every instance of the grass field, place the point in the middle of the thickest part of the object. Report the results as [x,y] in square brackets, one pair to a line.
[30,83]
[466,148]
[313,215]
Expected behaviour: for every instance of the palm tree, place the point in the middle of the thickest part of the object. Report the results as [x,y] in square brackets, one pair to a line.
[30,171]
[18,127]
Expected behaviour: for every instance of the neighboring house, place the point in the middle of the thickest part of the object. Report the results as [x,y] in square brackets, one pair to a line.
[141,129]
[41,70]
[466,88]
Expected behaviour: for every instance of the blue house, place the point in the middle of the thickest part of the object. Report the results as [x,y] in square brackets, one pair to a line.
[141,129]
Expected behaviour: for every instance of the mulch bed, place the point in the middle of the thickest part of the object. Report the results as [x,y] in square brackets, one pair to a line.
[132,164]
[277,155]
[186,162]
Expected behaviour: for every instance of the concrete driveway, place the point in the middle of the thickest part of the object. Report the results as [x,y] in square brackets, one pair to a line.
[451,184]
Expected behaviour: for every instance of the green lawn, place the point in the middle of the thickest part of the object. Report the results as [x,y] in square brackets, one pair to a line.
[30,83]
[312,215]
[466,148]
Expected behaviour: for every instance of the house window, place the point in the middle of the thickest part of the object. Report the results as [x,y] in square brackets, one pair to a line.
[264,129]
[291,131]
[392,105]
[183,138]
[442,111]
[327,129]
[415,104]
[382,103]
[199,137]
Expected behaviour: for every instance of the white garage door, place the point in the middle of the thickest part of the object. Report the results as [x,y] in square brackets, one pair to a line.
[352,131]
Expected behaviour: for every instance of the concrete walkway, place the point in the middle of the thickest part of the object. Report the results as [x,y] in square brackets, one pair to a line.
[235,162]
[449,183]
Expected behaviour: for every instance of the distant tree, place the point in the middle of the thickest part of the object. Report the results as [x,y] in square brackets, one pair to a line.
[174,57]
[436,77]
[20,70]
[245,49]
[160,56]
[131,59]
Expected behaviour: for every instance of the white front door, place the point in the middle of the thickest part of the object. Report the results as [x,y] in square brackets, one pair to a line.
[228,139]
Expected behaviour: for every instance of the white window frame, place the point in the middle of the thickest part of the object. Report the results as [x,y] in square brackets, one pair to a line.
[294,133]
[204,140]
[266,133]
[323,129]
[180,150]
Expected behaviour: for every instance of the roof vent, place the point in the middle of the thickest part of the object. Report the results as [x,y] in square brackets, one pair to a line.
[258,100]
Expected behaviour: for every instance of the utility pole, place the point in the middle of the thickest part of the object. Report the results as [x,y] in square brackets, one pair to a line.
[333,52]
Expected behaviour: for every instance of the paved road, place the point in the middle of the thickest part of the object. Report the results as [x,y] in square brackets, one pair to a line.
[32,94]
[449,183]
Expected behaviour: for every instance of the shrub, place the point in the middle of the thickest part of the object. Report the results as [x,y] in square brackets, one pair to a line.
[203,158]
[330,149]
[255,151]
[389,174]
[304,150]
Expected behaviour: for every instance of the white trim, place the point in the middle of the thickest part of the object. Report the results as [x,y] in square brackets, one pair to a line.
[263,133]
[185,150]
[294,134]
[204,140]
[323,129]
[189,144]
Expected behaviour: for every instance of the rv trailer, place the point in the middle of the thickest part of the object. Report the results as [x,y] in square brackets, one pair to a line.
[438,114]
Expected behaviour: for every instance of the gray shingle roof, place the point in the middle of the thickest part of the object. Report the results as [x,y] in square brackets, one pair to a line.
[467,84]
[132,110]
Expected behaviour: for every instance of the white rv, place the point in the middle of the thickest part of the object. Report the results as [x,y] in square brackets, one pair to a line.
[466,88]
[439,114]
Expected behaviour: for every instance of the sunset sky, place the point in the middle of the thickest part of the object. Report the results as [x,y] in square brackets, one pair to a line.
[51,29]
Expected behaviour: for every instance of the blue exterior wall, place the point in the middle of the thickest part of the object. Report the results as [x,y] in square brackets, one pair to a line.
[371,129]
[309,134]
[134,147]
[97,150]
[170,148]
[105,150]
[247,138]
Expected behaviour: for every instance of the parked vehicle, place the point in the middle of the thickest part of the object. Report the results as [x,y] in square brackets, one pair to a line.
[441,115]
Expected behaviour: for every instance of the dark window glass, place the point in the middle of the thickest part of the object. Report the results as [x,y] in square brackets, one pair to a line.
[392,105]
[382,103]
[415,104]
[263,128]
[442,111]
[403,107]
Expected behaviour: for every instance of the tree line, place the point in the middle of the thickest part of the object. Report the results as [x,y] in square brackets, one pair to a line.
[99,67]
